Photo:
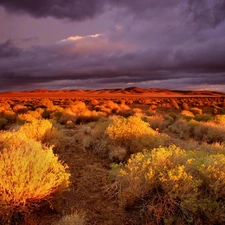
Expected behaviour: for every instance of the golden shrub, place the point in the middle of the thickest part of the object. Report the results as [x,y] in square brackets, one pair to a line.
[9,115]
[4,106]
[38,130]
[20,109]
[133,134]
[124,107]
[173,186]
[78,106]
[45,132]
[124,129]
[160,170]
[196,111]
[137,112]
[220,119]
[175,104]
[187,113]
[213,170]
[93,102]
[26,117]
[79,113]
[185,106]
[47,103]
[108,107]
[30,176]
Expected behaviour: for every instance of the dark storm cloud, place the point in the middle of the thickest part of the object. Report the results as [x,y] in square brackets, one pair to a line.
[30,39]
[155,41]
[145,9]
[206,12]
[69,61]
[202,12]
[60,9]
[206,57]
[81,10]
[8,50]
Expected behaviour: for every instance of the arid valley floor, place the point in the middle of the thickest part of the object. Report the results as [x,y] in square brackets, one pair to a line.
[105,136]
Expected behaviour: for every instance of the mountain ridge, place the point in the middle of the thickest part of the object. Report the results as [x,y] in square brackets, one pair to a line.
[129,91]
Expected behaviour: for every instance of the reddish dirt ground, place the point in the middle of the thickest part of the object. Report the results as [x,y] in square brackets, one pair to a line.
[88,194]
[89,172]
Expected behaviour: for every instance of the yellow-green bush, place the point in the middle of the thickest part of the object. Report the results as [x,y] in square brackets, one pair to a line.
[220,119]
[45,132]
[144,172]
[203,117]
[133,134]
[211,201]
[209,132]
[29,116]
[173,186]
[214,175]
[30,176]
[38,130]
[202,131]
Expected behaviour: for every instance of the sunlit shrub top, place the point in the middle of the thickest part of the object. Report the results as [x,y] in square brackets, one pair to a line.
[37,129]
[134,134]
[29,174]
[126,129]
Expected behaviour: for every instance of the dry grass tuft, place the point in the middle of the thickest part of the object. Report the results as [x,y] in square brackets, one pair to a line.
[72,219]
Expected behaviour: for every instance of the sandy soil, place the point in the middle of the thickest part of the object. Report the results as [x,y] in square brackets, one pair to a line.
[89,193]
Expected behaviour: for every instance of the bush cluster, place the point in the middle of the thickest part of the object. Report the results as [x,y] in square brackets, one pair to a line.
[30,176]
[173,186]
[133,134]
[209,132]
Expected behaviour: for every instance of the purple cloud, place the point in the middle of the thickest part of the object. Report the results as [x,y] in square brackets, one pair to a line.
[151,42]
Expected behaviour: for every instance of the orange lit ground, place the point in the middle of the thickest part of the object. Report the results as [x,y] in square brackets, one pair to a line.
[89,172]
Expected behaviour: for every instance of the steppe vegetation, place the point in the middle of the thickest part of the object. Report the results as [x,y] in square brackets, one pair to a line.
[134,161]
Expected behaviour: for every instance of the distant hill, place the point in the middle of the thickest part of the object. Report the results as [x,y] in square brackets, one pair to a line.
[114,93]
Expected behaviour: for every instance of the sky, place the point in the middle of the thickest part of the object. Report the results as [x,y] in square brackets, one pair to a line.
[97,44]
